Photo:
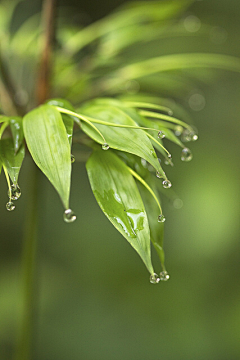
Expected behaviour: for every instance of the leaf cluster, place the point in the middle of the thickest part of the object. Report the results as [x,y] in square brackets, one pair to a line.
[96,103]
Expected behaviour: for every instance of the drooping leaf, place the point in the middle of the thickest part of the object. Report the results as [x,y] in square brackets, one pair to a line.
[67,119]
[17,131]
[144,122]
[171,63]
[117,194]
[152,209]
[156,228]
[134,141]
[155,124]
[48,144]
[10,159]
[131,14]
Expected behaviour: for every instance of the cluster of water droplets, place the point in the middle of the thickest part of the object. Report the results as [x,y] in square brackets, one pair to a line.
[166,183]
[155,278]
[13,194]
[186,154]
[188,135]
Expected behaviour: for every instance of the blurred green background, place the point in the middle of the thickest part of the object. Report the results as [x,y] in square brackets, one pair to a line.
[94,296]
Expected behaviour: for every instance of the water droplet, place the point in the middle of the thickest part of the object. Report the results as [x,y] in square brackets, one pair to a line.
[186,155]
[164,276]
[170,112]
[15,192]
[72,158]
[186,136]
[10,206]
[189,135]
[158,175]
[178,130]
[166,184]
[161,218]
[105,146]
[69,216]
[161,135]
[154,278]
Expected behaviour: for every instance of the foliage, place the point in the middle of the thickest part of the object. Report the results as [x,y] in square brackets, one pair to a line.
[123,129]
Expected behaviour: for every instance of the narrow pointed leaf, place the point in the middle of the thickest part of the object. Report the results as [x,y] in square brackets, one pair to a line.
[10,159]
[171,63]
[117,194]
[156,228]
[67,119]
[17,131]
[155,124]
[134,141]
[130,14]
[140,120]
[48,144]
[151,207]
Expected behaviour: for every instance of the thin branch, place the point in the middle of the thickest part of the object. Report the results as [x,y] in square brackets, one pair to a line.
[44,75]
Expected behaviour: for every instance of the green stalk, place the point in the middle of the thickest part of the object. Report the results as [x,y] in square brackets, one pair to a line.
[24,350]
[25,339]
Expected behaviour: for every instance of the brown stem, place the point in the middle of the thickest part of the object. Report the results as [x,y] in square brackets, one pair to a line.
[44,75]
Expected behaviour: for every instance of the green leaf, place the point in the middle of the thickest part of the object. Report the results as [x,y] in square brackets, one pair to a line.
[61,103]
[67,119]
[48,144]
[159,125]
[17,131]
[134,141]
[169,63]
[142,121]
[10,159]
[3,118]
[156,228]
[152,209]
[133,13]
[117,194]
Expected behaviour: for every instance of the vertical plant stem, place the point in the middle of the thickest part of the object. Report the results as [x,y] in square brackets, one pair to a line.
[44,75]
[26,331]
[28,272]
